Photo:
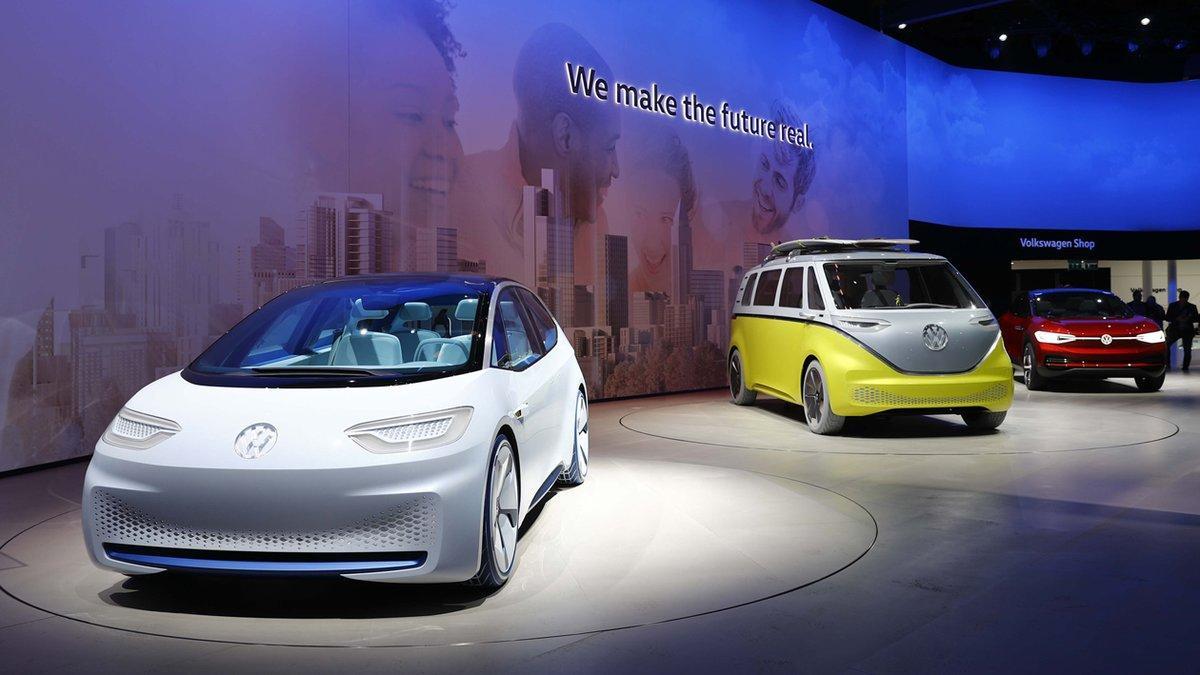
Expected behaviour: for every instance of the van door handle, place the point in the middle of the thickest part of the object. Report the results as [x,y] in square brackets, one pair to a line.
[1018,327]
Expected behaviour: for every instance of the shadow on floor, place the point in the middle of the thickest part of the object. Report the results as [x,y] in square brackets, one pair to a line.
[883,426]
[296,597]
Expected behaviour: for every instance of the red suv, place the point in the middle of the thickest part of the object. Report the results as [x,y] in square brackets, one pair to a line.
[1080,332]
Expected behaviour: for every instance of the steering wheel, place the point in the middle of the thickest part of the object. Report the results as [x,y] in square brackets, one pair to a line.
[428,342]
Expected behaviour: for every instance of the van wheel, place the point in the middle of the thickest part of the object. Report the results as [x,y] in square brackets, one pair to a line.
[984,421]
[501,504]
[1033,381]
[1150,383]
[741,394]
[815,394]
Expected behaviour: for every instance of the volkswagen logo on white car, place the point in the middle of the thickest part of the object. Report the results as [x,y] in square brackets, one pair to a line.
[1106,339]
[255,441]
[935,337]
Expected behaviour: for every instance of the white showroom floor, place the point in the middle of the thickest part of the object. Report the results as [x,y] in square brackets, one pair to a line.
[715,537]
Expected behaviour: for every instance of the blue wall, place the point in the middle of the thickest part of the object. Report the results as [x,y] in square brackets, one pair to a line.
[993,149]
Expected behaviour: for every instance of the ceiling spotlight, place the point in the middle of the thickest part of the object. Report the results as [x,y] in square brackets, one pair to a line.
[1180,45]
[1003,37]
[1145,21]
[1133,46]
[902,26]
[1085,47]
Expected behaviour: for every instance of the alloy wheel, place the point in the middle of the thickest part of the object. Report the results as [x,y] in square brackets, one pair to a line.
[581,433]
[735,377]
[503,515]
[814,396]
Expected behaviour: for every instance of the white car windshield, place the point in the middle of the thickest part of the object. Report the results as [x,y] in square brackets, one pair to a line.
[356,330]
[899,284]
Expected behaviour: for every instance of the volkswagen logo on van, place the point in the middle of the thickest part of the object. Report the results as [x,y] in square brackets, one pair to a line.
[935,337]
[255,441]
[1106,339]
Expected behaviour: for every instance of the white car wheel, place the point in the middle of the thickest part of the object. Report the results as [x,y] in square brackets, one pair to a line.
[501,509]
[577,471]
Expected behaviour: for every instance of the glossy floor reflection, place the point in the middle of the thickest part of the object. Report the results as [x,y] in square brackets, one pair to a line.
[1005,554]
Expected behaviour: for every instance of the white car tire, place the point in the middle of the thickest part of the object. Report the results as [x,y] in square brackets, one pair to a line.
[501,509]
[576,473]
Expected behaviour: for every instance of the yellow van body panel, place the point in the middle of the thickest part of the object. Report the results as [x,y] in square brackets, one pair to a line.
[774,352]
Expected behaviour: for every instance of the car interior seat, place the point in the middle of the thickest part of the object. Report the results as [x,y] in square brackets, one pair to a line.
[881,295]
[464,312]
[361,347]
[407,326]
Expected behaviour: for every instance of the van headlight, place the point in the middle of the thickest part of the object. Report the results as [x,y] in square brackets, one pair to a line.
[412,432]
[1153,337]
[1047,337]
[139,431]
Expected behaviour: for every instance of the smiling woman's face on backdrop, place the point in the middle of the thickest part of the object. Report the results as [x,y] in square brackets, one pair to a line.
[646,202]
[403,141]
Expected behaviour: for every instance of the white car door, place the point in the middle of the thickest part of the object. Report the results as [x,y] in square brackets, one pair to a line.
[517,350]
[557,390]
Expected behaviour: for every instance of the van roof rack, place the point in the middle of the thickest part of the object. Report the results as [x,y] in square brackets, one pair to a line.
[826,245]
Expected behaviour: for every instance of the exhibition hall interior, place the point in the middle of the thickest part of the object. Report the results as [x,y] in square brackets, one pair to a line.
[507,335]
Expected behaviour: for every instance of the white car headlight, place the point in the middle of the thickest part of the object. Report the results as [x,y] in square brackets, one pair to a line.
[1154,337]
[1048,337]
[412,432]
[138,431]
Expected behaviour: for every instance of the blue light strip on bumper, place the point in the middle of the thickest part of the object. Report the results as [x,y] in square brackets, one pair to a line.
[262,566]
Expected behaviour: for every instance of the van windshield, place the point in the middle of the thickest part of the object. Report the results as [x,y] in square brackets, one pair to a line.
[899,284]
[366,332]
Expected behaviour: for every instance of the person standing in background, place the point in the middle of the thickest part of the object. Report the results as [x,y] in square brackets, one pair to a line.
[1137,306]
[1181,325]
[1155,311]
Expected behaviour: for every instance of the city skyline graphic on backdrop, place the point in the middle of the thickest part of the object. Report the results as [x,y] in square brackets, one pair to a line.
[436,143]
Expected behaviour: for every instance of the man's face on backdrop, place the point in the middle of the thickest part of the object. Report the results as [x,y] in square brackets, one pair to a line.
[594,166]
[774,194]
[403,141]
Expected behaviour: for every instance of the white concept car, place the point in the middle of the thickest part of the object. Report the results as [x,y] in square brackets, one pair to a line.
[394,428]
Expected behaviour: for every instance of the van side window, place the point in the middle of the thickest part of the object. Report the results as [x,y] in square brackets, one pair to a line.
[815,300]
[792,294]
[749,292]
[764,293]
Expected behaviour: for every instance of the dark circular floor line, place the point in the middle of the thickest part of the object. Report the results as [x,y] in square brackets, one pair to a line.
[874,540]
[621,421]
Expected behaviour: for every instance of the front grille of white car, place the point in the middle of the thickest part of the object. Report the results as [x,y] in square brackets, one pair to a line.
[876,396]
[408,526]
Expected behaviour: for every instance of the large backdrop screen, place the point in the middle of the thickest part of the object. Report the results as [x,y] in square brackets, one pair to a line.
[169,166]
[996,149]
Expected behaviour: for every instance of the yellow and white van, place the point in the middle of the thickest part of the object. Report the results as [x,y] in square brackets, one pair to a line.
[851,328]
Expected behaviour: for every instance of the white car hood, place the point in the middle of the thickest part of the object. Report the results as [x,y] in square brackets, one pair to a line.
[311,422]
